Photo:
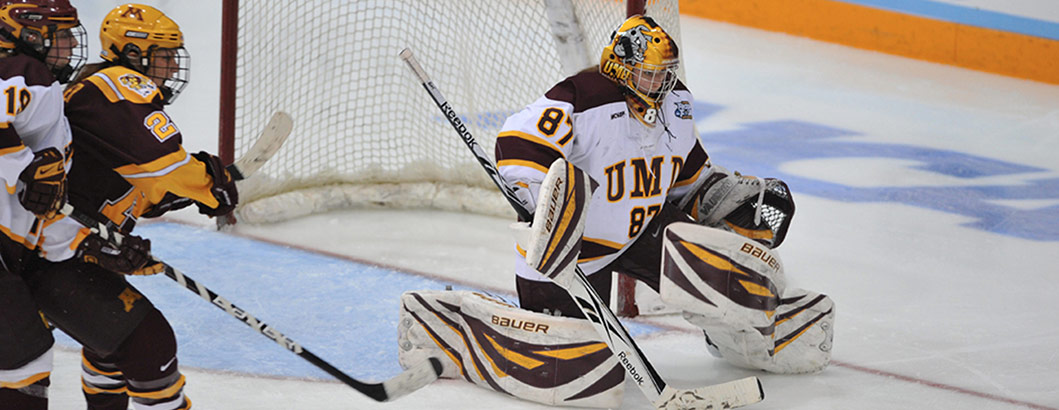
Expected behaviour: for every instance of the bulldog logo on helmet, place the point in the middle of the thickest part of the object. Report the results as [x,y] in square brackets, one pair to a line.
[632,45]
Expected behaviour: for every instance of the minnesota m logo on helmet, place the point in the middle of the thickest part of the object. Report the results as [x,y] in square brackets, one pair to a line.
[144,39]
[642,59]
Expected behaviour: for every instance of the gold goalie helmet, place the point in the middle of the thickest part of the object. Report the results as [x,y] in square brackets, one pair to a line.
[643,60]
[142,38]
[47,30]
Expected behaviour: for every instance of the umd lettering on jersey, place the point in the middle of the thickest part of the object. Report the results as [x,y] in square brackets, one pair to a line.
[646,183]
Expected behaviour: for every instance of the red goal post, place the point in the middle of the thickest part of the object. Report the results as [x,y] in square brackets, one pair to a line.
[364,135]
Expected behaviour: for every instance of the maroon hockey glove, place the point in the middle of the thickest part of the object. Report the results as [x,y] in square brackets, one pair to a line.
[223,186]
[45,179]
[132,256]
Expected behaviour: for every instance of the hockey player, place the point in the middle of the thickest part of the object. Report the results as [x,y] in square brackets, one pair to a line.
[662,214]
[42,43]
[130,164]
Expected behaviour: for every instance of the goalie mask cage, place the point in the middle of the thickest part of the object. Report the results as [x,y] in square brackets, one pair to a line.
[365,133]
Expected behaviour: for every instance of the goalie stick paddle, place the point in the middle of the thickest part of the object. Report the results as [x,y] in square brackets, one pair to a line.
[726,395]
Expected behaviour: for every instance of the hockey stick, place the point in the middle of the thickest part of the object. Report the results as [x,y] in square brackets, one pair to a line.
[267,143]
[726,395]
[271,139]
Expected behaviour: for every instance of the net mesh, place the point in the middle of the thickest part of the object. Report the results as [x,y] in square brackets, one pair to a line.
[365,131]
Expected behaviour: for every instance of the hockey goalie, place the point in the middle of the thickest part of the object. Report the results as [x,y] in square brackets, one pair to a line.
[611,163]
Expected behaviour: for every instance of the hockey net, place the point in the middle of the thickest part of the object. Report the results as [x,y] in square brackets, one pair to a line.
[365,133]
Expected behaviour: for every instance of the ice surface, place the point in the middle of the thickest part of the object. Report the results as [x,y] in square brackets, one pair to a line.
[928,208]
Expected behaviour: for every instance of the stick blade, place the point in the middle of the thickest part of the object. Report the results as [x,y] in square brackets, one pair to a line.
[268,142]
[730,395]
[412,379]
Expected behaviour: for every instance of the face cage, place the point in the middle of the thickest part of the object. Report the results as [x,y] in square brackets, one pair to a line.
[172,86]
[64,68]
[648,74]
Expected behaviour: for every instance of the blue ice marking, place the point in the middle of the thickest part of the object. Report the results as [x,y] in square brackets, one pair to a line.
[343,312]
[760,148]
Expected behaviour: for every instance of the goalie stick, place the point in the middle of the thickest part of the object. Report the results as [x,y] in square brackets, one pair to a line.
[271,139]
[726,395]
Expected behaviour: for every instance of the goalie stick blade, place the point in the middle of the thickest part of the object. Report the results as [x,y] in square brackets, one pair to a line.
[730,395]
[412,379]
[267,143]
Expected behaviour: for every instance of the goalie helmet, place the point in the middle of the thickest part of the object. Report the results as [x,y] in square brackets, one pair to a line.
[146,40]
[642,59]
[47,30]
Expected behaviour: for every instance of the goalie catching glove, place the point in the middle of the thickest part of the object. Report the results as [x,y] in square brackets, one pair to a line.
[223,188]
[759,209]
[45,179]
[132,257]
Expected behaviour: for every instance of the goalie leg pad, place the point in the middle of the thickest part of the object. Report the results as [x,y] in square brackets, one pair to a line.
[559,221]
[552,360]
[801,342]
[730,286]
[721,277]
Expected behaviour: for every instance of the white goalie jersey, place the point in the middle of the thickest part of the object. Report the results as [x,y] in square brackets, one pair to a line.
[586,121]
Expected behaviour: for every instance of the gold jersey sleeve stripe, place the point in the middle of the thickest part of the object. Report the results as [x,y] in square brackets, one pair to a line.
[522,163]
[106,86]
[162,165]
[604,242]
[11,150]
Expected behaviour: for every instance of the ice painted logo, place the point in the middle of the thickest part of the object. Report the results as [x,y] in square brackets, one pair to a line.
[1024,206]
[137,84]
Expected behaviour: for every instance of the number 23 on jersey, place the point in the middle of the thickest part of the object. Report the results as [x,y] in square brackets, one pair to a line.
[160,125]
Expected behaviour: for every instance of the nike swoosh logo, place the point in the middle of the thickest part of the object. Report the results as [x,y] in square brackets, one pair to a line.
[166,366]
[48,171]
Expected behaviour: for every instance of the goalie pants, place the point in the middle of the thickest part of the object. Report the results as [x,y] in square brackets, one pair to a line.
[129,347]
[641,261]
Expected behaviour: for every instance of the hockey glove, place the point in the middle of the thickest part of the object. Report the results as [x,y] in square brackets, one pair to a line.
[223,186]
[168,203]
[45,179]
[759,209]
[132,257]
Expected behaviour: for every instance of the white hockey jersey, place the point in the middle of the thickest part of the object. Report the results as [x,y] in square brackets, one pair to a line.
[585,120]
[32,121]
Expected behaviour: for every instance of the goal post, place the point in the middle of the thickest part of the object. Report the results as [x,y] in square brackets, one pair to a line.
[364,135]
